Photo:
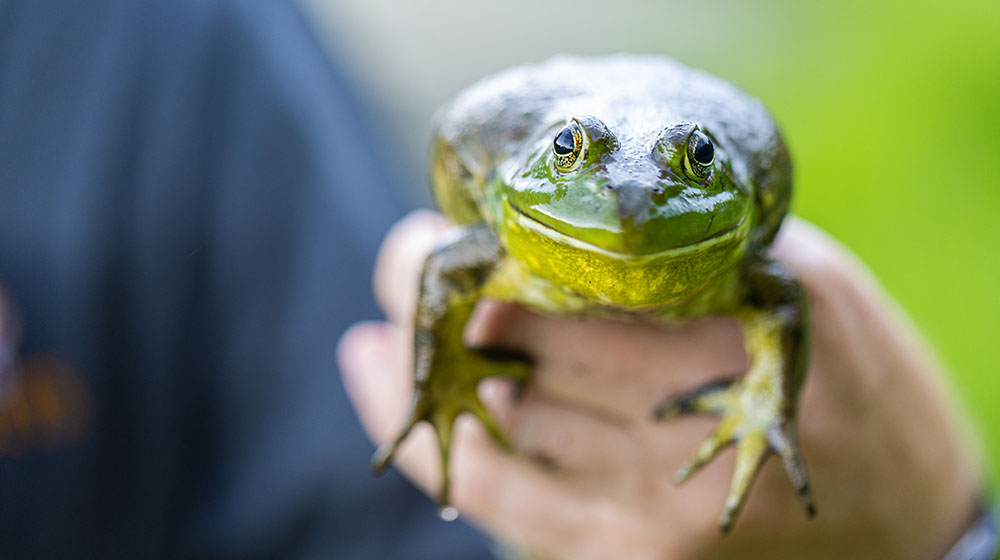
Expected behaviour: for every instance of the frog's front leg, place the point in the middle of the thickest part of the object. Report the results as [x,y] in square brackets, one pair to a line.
[757,410]
[446,372]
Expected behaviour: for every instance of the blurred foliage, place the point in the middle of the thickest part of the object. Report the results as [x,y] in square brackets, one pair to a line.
[891,111]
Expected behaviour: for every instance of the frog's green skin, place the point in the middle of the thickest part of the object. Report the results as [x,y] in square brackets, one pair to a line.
[630,229]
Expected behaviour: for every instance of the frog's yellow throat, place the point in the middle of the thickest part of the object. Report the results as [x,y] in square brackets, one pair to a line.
[620,279]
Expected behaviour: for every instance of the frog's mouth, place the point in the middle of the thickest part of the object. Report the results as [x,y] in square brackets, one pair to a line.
[734,233]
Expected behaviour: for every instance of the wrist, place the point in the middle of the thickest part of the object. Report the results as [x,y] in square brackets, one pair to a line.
[980,541]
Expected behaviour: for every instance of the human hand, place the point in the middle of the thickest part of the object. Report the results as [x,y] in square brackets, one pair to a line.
[893,471]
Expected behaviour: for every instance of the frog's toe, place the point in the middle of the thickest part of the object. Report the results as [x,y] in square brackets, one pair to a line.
[384,455]
[784,442]
[386,452]
[441,417]
[705,453]
[440,412]
[711,398]
[492,427]
[753,449]
[443,421]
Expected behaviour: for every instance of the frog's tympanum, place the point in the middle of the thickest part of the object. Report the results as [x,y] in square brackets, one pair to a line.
[625,185]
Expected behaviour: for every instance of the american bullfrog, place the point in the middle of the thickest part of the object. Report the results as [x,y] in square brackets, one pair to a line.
[623,186]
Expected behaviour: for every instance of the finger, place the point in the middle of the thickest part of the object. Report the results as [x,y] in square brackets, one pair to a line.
[619,368]
[806,248]
[400,260]
[627,459]
[574,440]
[374,365]
[847,309]
[373,359]
[560,516]
[517,500]
[836,280]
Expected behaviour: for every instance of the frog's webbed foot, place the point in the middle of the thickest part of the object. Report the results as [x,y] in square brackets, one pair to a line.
[751,418]
[757,410]
[440,405]
[447,373]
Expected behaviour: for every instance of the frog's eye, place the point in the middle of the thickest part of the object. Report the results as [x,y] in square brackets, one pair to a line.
[700,156]
[569,148]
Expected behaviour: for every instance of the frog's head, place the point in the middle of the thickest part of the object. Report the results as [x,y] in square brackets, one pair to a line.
[632,196]
[639,218]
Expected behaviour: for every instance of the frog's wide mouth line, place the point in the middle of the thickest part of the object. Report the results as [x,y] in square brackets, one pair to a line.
[736,231]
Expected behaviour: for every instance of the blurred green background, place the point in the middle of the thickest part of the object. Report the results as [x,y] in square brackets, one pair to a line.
[891,110]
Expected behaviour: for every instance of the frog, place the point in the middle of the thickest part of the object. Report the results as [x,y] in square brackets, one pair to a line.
[620,186]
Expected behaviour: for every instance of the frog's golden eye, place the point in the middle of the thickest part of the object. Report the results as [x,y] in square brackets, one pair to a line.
[700,156]
[569,148]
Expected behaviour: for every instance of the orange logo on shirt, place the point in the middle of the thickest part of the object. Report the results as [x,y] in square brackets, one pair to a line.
[44,403]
